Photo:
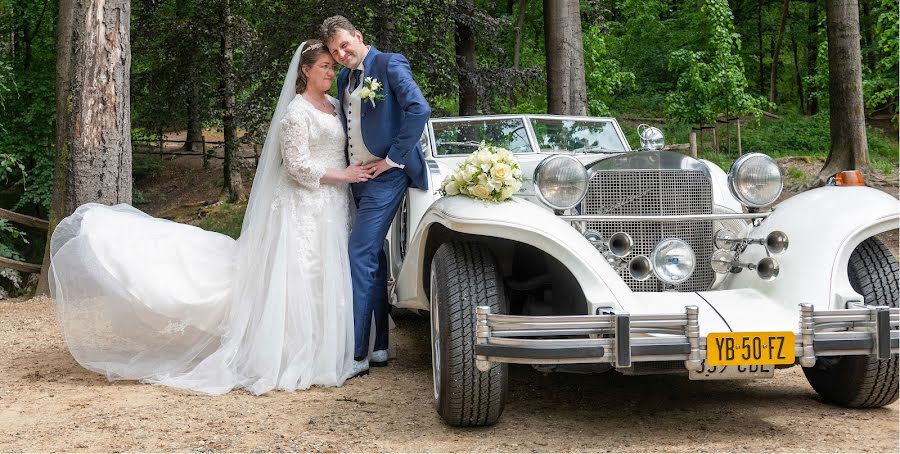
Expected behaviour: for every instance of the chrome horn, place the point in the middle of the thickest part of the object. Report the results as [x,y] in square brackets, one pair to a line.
[777,242]
[640,268]
[620,244]
[767,269]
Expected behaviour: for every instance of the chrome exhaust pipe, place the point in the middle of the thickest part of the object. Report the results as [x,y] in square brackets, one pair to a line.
[767,269]
[777,242]
[640,268]
[620,244]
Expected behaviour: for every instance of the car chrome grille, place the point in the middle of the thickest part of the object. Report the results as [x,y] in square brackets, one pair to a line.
[661,193]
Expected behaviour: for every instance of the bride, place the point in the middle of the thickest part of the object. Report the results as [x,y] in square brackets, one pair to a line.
[147,299]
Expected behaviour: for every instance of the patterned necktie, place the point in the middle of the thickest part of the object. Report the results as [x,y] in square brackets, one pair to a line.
[354,79]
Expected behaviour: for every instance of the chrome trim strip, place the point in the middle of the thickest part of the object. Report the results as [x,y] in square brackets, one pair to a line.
[678,218]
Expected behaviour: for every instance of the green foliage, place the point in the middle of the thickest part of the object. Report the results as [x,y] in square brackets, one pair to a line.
[604,75]
[711,78]
[11,239]
[796,135]
[881,86]
[225,219]
[145,166]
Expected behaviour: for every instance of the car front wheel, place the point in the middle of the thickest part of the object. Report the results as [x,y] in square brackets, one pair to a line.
[464,276]
[863,381]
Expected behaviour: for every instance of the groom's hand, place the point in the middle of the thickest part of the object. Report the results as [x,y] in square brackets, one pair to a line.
[378,167]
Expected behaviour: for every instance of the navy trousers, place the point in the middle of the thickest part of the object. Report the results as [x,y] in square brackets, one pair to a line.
[376,201]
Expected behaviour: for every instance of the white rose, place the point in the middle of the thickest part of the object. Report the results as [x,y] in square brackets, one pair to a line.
[507,192]
[365,93]
[376,85]
[481,191]
[467,172]
[502,154]
[451,188]
[484,157]
[501,171]
[517,173]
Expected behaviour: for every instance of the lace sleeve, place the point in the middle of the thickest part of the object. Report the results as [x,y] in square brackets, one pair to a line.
[295,152]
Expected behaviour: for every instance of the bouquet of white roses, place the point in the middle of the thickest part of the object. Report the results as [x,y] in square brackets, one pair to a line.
[489,173]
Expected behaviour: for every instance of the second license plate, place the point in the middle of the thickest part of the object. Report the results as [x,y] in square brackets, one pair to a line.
[750,349]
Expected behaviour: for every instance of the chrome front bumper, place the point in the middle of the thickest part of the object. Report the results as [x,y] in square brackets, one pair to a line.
[621,339]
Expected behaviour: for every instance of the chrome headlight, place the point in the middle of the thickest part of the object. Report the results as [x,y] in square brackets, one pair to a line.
[673,261]
[561,181]
[755,180]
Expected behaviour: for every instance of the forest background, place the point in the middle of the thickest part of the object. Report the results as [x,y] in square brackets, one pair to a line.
[202,66]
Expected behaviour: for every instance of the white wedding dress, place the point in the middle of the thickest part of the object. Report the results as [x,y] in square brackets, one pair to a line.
[147,299]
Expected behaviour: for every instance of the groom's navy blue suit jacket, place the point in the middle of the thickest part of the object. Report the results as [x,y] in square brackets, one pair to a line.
[393,127]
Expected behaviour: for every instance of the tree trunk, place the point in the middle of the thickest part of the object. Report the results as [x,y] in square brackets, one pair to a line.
[759,35]
[847,123]
[384,33]
[776,50]
[93,122]
[578,85]
[867,26]
[233,186]
[812,51]
[799,79]
[465,59]
[563,56]
[520,24]
[188,57]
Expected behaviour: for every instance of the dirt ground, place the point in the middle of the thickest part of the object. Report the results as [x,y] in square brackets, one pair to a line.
[49,403]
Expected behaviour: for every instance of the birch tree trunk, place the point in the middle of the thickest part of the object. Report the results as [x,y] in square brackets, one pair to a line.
[847,111]
[93,121]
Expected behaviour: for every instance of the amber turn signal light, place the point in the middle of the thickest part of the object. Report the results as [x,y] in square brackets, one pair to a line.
[849,178]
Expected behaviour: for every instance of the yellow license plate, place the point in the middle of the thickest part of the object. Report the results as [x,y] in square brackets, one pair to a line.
[747,349]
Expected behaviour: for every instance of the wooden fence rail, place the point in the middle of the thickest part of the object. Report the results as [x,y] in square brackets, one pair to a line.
[159,145]
[27,221]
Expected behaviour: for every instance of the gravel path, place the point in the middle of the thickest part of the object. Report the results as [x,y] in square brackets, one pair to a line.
[49,403]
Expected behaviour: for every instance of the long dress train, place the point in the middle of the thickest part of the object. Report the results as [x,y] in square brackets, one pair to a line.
[148,299]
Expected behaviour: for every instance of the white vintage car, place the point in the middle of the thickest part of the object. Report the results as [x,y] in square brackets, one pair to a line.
[643,262]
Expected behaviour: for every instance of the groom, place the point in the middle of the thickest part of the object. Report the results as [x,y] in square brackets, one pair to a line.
[384,114]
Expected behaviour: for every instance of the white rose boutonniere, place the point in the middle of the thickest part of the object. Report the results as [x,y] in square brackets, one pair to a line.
[489,173]
[371,90]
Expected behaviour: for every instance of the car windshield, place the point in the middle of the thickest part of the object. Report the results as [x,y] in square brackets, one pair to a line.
[577,136]
[464,136]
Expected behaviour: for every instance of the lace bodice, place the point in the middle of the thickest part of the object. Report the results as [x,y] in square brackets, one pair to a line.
[311,141]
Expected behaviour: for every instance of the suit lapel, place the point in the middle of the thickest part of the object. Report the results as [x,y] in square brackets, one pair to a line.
[341,87]
[368,71]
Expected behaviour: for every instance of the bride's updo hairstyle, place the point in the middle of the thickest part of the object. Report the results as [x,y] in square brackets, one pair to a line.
[310,55]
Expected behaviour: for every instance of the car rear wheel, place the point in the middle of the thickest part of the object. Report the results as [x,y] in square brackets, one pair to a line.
[464,276]
[863,381]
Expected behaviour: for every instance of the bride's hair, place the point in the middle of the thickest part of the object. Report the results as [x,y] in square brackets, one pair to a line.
[310,55]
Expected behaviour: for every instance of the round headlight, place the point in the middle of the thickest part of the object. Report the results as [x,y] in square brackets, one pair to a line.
[561,181]
[755,180]
[673,261]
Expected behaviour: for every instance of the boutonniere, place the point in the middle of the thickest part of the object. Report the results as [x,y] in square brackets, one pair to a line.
[371,90]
